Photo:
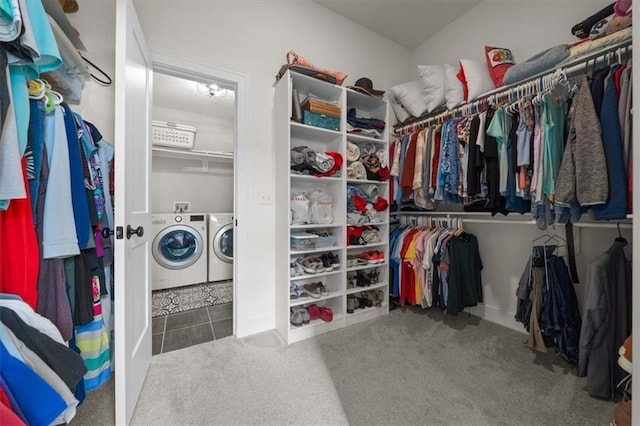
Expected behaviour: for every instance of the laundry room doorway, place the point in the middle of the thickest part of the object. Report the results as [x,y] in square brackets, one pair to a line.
[194,134]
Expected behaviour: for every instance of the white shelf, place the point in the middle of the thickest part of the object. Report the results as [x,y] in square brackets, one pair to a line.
[313,276]
[356,138]
[311,178]
[367,266]
[310,300]
[317,225]
[192,154]
[367,246]
[315,250]
[291,134]
[375,286]
[360,315]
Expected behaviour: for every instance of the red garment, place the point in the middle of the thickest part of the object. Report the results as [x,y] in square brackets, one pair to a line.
[406,180]
[616,79]
[8,417]
[359,204]
[408,283]
[19,262]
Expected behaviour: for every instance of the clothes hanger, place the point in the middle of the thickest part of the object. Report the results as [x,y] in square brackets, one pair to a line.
[36,89]
[620,238]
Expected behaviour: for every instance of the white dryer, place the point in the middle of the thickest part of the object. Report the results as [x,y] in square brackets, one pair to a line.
[220,246]
[179,250]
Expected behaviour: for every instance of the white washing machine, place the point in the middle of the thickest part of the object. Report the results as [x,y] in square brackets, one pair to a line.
[220,246]
[179,250]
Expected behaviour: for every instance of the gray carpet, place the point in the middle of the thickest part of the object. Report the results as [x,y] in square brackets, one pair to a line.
[410,367]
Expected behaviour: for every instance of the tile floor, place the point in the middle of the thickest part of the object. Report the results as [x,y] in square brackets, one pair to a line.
[184,329]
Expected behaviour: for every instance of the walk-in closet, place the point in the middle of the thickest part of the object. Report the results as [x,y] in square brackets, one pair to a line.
[318,212]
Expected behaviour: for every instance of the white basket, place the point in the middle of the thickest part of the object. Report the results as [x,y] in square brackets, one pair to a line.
[166,133]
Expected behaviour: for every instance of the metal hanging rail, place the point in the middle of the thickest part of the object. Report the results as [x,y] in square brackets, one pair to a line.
[517,90]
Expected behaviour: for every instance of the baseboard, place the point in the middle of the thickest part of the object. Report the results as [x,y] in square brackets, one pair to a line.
[498,316]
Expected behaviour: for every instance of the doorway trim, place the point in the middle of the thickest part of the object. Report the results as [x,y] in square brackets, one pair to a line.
[239,82]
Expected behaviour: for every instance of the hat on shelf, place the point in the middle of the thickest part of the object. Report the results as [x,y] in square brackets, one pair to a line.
[69,6]
[365,85]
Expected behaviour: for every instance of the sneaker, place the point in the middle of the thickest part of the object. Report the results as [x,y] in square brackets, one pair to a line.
[624,360]
[314,311]
[326,314]
[351,303]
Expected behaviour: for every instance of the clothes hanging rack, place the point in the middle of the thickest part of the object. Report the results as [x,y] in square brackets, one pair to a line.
[415,218]
[512,92]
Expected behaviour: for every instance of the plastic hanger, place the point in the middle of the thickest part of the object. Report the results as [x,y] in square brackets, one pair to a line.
[36,89]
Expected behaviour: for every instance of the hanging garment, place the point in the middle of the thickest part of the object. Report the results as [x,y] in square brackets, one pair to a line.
[583,175]
[606,320]
[616,206]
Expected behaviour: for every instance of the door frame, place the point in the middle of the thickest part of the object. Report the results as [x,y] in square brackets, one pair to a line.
[187,69]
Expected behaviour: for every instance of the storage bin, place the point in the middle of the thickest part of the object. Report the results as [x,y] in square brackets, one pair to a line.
[303,241]
[323,242]
[320,120]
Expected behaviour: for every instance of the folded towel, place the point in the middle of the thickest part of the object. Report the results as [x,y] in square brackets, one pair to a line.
[323,162]
[368,148]
[297,157]
[543,61]
[353,152]
[356,170]
[356,219]
[309,153]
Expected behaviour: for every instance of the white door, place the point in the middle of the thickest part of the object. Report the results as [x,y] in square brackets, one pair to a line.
[132,293]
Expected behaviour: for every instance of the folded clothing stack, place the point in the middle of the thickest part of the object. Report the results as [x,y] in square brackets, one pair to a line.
[305,160]
[365,205]
[372,127]
[363,235]
[366,162]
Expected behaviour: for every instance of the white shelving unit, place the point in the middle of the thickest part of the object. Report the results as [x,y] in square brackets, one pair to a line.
[290,134]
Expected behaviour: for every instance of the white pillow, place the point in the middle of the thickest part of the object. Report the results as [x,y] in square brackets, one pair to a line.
[477,77]
[410,96]
[432,80]
[453,89]
[399,111]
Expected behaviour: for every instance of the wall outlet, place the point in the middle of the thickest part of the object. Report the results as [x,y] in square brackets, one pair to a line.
[181,206]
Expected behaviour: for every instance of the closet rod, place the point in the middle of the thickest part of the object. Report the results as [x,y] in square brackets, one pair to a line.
[623,225]
[569,69]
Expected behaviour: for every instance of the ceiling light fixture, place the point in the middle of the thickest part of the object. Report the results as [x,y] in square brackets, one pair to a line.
[211,90]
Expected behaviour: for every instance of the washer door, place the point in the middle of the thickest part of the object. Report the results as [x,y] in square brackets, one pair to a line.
[223,243]
[177,247]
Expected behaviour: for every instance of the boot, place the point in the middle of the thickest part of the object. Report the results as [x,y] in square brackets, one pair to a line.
[622,416]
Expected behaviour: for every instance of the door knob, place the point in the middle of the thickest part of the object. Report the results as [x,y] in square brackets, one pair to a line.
[107,232]
[139,231]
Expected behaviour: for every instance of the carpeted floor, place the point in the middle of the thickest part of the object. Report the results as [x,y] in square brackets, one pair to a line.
[410,367]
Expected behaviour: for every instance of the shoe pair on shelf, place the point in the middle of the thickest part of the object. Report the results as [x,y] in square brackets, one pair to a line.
[316,290]
[372,256]
[365,299]
[301,315]
[315,264]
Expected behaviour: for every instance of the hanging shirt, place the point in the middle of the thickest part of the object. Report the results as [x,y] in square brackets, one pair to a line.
[554,109]
[497,130]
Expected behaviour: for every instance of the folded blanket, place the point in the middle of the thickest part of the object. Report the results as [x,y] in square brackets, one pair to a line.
[309,153]
[543,61]
[368,148]
[297,157]
[353,152]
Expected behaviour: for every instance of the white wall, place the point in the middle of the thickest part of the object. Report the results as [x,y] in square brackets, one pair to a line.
[526,27]
[251,37]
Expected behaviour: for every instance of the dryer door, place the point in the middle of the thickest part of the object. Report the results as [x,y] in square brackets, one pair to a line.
[177,247]
[223,243]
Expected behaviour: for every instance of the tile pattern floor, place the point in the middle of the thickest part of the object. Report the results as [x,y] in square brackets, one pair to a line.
[187,298]
[184,329]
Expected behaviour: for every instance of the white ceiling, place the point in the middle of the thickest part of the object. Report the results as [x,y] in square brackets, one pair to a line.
[406,22]
[182,94]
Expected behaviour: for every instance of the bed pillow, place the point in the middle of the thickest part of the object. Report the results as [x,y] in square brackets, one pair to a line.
[453,89]
[409,94]
[540,62]
[499,60]
[475,78]
[399,111]
[432,81]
